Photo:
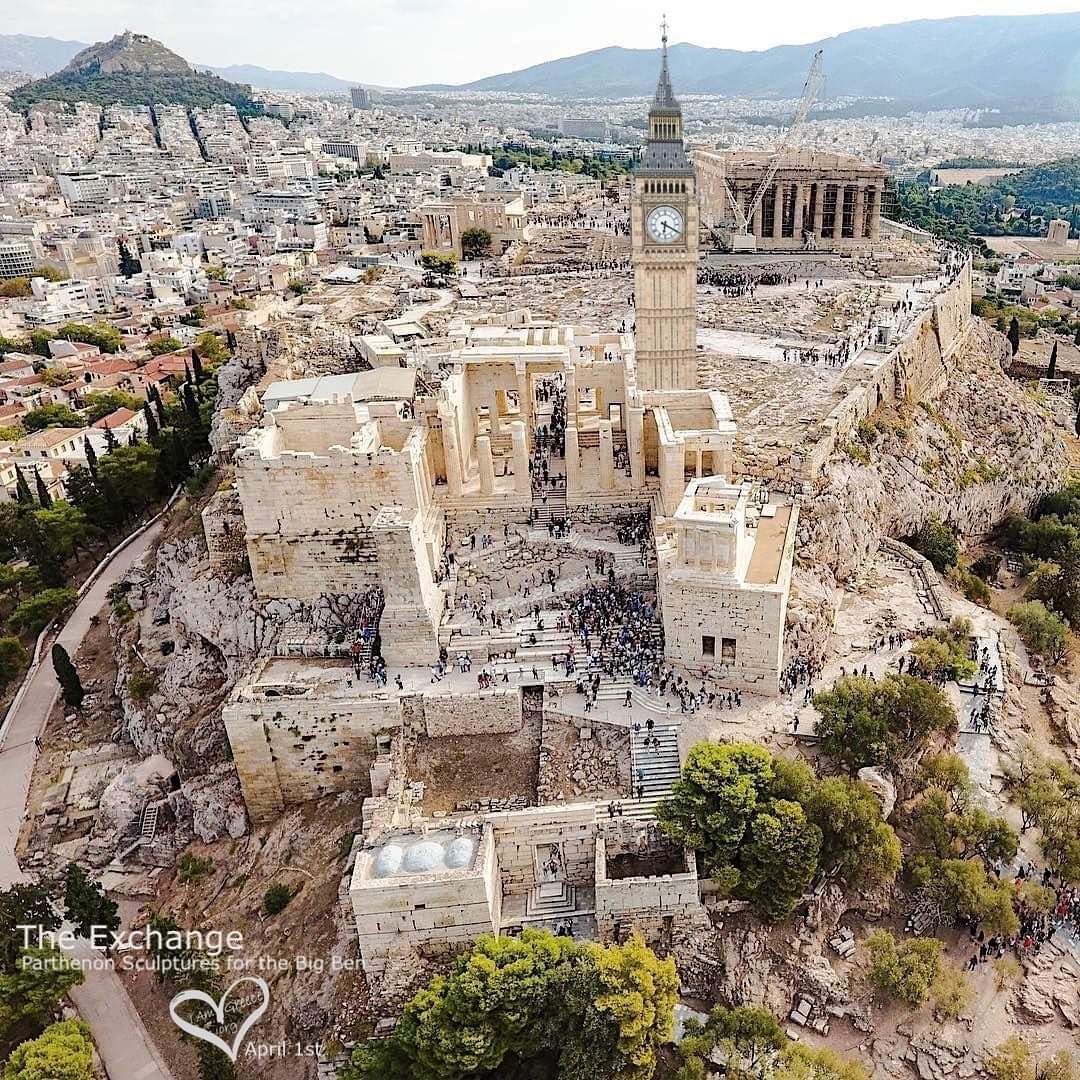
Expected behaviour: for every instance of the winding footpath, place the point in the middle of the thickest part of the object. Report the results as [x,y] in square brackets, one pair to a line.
[122,1040]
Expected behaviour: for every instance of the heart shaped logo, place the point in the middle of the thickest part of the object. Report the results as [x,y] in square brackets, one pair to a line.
[218,1008]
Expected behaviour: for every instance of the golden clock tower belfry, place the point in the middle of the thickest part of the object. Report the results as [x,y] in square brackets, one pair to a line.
[664,235]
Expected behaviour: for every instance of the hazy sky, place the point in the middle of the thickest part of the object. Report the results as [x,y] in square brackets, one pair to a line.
[405,42]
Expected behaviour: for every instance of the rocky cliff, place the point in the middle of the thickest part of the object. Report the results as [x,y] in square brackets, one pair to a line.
[985,447]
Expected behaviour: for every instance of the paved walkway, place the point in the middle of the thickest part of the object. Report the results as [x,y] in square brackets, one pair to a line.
[123,1042]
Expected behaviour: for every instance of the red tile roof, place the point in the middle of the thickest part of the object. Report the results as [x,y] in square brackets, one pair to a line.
[115,419]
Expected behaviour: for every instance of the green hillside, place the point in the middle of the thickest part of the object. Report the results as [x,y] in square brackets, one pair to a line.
[1017,205]
[133,69]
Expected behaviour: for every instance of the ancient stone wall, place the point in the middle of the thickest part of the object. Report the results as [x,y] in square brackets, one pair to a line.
[917,369]
[671,894]
[471,714]
[751,617]
[433,913]
[291,750]
[223,528]
[519,833]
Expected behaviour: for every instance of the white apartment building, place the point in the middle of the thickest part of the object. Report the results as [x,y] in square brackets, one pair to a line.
[16,259]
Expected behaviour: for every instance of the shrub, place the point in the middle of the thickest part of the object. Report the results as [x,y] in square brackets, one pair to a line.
[987,566]
[1011,1060]
[1044,633]
[191,868]
[142,685]
[904,971]
[276,899]
[937,542]
[951,993]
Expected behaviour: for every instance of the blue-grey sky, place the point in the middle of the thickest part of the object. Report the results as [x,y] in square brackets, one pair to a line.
[405,42]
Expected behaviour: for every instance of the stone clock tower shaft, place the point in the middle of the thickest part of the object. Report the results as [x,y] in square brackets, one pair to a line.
[664,235]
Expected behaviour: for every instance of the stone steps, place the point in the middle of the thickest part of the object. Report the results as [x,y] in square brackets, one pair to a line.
[635,809]
[550,899]
[655,770]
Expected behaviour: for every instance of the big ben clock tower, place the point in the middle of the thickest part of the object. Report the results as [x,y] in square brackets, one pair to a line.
[664,234]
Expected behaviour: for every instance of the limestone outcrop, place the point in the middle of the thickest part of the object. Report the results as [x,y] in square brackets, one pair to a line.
[983,449]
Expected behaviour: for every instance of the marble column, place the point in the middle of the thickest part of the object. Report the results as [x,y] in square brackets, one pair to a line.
[524,390]
[778,211]
[635,443]
[451,453]
[819,208]
[758,216]
[493,412]
[571,395]
[797,229]
[607,457]
[487,464]
[875,213]
[698,470]
[521,457]
[860,212]
[573,461]
[672,480]
[838,220]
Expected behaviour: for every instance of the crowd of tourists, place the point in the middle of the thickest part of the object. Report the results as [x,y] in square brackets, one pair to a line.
[1037,925]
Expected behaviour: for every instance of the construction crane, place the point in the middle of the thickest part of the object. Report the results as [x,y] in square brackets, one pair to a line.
[711,165]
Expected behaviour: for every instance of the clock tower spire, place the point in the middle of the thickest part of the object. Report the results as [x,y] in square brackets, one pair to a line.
[664,236]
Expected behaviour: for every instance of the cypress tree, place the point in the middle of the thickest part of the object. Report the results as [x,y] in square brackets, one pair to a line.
[42,491]
[230,339]
[91,457]
[191,406]
[85,905]
[196,366]
[159,406]
[1014,335]
[1051,368]
[133,438]
[22,488]
[1078,423]
[1076,340]
[152,429]
[67,676]
[110,440]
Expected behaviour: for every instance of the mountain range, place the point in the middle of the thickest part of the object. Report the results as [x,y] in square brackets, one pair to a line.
[1021,63]
[968,61]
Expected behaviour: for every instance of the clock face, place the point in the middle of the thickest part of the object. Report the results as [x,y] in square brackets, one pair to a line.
[664,224]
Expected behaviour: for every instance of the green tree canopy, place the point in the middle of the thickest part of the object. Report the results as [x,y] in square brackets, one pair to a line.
[85,904]
[67,676]
[100,403]
[875,722]
[63,1051]
[35,612]
[475,242]
[29,993]
[1045,634]
[766,826]
[512,1001]
[937,542]
[54,415]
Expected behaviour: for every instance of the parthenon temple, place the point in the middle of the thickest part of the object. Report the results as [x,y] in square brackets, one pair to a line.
[816,199]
